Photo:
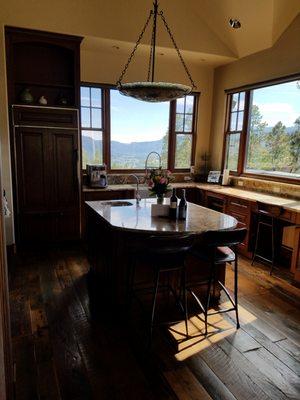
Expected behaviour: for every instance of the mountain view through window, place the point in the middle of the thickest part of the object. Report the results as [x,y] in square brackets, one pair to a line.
[137,128]
[274,130]
[121,131]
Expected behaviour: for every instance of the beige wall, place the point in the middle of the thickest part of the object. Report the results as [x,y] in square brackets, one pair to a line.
[280,60]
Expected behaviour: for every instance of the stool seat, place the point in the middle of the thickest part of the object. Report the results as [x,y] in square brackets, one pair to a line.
[220,255]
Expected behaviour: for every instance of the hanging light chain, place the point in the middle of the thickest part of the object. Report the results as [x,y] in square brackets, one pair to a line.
[177,49]
[150,56]
[134,49]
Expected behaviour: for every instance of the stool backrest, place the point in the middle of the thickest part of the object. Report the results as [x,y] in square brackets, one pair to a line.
[224,238]
[170,244]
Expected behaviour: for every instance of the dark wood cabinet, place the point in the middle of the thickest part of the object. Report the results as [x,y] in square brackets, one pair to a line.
[240,209]
[44,139]
[47,183]
[214,201]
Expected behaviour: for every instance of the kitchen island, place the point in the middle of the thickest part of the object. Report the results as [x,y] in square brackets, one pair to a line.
[112,226]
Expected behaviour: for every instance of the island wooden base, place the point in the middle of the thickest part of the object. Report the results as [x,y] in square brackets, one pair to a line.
[108,254]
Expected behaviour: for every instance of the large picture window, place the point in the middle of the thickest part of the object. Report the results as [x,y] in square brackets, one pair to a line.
[263,131]
[137,128]
[120,131]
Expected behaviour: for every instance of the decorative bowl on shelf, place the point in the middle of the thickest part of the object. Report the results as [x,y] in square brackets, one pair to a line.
[26,96]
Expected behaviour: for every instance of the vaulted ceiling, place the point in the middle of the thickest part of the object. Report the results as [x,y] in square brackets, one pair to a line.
[200,27]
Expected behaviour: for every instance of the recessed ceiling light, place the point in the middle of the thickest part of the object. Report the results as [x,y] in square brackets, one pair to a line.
[116,47]
[234,23]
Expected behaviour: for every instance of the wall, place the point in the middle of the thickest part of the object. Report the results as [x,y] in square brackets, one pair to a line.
[280,60]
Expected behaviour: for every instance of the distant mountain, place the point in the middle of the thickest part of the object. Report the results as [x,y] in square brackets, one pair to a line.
[289,129]
[133,155]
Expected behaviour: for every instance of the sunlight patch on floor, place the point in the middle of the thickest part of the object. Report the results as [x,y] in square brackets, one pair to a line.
[219,327]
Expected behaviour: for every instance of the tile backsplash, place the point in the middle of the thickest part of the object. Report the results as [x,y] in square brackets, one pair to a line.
[264,186]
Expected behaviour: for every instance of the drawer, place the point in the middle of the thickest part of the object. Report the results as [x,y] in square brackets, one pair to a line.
[239,205]
[45,117]
[242,218]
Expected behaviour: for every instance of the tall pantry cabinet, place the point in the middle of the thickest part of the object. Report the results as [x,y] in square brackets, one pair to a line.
[45,138]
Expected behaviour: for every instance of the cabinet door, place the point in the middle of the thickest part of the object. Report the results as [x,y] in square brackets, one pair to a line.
[65,195]
[32,184]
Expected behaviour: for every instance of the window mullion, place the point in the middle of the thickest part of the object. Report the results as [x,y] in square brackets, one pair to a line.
[244,133]
[172,136]
[106,127]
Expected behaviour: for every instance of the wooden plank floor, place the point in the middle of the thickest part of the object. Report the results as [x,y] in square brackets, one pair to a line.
[63,349]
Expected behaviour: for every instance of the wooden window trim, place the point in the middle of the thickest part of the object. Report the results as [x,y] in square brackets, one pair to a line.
[106,132]
[248,89]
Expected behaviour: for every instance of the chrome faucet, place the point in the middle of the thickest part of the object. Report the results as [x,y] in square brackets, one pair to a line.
[146,162]
[137,192]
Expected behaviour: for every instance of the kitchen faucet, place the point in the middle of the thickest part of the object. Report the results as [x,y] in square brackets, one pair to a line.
[137,192]
[146,162]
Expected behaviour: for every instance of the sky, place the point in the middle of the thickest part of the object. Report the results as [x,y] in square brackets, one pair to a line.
[279,103]
[137,121]
[131,120]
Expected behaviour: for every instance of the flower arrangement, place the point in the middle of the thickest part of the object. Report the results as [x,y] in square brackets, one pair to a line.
[158,181]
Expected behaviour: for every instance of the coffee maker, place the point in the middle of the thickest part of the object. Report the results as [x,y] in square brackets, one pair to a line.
[97,176]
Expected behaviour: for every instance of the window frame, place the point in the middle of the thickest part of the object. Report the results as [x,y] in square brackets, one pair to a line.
[102,129]
[106,131]
[242,158]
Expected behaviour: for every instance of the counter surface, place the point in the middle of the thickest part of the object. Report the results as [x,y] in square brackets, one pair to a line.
[286,203]
[138,218]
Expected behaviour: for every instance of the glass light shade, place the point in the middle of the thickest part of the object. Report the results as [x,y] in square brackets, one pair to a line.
[154,91]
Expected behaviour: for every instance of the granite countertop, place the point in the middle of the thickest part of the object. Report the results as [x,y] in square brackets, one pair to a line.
[138,218]
[288,204]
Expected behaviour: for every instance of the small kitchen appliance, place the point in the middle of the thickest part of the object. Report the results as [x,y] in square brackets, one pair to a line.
[97,175]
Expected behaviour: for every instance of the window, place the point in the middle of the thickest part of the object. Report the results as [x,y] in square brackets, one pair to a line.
[184,131]
[133,122]
[267,142]
[91,125]
[121,131]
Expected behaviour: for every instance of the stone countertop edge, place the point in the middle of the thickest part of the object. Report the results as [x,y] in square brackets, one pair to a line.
[138,219]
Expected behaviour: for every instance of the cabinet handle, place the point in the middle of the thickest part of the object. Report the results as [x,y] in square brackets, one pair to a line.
[238,204]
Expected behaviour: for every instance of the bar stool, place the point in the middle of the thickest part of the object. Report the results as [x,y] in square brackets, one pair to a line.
[164,254]
[266,215]
[218,247]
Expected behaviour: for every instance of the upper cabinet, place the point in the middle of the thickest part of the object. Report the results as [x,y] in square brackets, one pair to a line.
[42,64]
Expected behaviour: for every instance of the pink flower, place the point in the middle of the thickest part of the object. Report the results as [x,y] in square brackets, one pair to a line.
[162,181]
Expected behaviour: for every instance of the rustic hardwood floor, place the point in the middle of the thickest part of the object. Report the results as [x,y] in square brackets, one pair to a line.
[63,350]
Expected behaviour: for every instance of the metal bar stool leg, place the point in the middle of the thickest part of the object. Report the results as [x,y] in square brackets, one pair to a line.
[256,242]
[236,291]
[273,247]
[210,281]
[184,291]
[153,306]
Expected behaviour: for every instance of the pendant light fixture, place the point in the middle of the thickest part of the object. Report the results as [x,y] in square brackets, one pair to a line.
[150,90]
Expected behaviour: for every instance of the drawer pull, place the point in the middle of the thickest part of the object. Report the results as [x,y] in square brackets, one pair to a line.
[238,204]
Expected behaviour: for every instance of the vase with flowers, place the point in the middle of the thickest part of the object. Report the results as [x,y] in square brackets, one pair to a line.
[159,183]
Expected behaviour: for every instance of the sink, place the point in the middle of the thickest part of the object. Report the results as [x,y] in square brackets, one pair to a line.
[117,203]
